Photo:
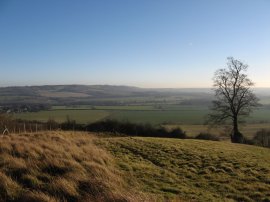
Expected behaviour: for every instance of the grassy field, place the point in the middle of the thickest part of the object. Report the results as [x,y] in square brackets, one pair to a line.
[193,170]
[189,118]
[174,114]
[137,114]
[192,130]
[67,166]
[81,116]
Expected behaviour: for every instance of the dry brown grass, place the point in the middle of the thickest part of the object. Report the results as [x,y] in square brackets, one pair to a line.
[58,166]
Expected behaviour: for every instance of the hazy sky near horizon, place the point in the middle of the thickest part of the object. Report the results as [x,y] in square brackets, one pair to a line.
[145,43]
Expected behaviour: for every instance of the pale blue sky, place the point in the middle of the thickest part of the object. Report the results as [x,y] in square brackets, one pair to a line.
[145,43]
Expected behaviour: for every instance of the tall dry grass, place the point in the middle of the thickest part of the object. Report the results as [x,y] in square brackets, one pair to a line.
[58,166]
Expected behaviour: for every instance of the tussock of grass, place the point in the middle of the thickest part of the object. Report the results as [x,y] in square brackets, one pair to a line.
[193,170]
[9,189]
[58,166]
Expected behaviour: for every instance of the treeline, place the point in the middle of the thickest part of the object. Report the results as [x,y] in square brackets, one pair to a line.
[10,125]
[133,129]
[111,126]
[261,138]
[19,108]
[118,128]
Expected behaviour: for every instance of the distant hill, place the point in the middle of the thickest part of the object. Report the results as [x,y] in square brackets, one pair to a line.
[90,94]
[69,91]
[107,95]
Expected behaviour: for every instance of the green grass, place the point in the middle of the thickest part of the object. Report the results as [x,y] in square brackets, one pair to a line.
[158,117]
[170,114]
[87,107]
[260,115]
[192,130]
[193,170]
[189,118]
[81,116]
[137,114]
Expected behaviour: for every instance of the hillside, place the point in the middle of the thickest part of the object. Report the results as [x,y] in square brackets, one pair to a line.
[58,166]
[110,95]
[193,170]
[93,94]
[66,166]
[55,94]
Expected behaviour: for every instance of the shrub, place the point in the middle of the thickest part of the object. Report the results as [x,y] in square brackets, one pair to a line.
[207,136]
[262,138]
[178,133]
[52,124]
[134,129]
[70,124]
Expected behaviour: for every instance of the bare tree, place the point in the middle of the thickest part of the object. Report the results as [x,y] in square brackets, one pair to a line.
[234,97]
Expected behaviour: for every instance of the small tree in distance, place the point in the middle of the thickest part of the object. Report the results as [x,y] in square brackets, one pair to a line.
[234,97]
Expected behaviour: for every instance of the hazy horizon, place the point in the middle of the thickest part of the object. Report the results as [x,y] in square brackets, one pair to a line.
[149,44]
[74,84]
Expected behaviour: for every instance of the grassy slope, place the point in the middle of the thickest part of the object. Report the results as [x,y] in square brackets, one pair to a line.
[58,166]
[192,169]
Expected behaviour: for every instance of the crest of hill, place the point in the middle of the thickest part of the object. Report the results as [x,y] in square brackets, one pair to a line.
[91,90]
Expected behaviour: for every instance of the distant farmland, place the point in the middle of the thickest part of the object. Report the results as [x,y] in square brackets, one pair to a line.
[189,118]
[138,114]
[186,108]
[171,114]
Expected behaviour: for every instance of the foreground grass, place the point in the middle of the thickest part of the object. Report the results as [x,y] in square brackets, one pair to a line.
[192,169]
[65,166]
[58,166]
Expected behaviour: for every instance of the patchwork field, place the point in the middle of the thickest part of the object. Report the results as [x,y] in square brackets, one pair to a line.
[189,118]
[81,116]
[139,114]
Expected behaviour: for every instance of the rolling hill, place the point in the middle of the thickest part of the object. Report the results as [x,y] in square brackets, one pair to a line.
[94,94]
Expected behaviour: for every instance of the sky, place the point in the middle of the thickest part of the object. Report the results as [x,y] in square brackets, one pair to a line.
[144,43]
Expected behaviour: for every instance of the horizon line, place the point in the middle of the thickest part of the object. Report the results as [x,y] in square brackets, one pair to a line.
[116,85]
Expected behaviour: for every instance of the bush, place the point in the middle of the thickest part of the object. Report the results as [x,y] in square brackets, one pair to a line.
[178,133]
[52,124]
[134,129]
[262,138]
[70,124]
[207,136]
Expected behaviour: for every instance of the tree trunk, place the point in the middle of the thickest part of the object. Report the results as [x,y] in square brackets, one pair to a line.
[236,136]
